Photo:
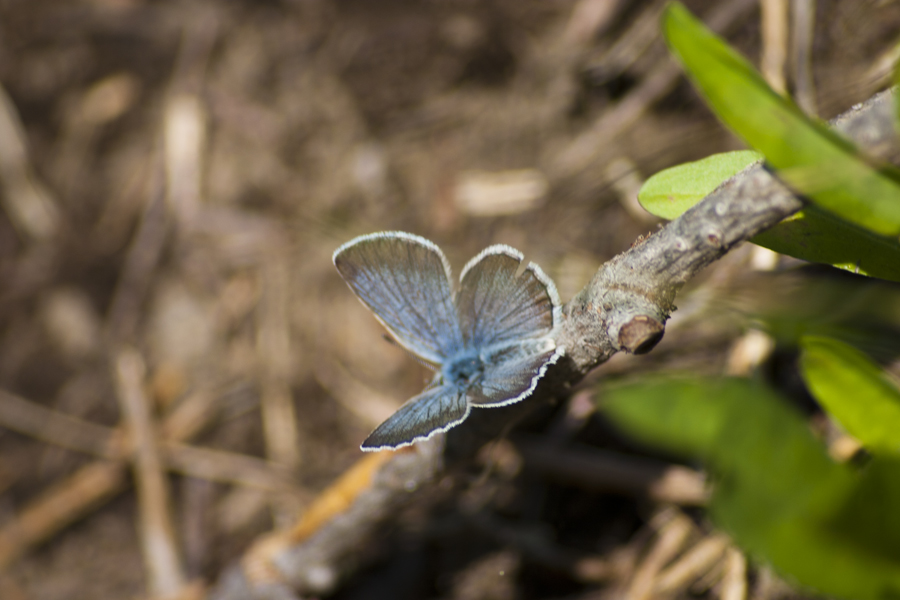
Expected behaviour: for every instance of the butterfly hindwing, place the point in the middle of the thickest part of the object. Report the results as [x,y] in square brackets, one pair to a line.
[512,372]
[496,307]
[405,280]
[436,409]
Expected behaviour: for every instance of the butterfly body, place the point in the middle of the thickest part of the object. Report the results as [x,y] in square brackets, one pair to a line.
[464,369]
[490,340]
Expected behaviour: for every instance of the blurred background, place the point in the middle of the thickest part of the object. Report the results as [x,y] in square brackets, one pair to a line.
[176,175]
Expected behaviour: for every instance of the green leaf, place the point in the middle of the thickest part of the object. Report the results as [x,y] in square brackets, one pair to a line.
[869,517]
[672,191]
[776,490]
[813,159]
[812,234]
[855,391]
[816,235]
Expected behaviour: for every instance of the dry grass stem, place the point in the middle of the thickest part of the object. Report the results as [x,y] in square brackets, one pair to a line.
[27,201]
[165,571]
[589,17]
[54,427]
[734,583]
[274,350]
[609,471]
[630,47]
[626,181]
[60,505]
[227,467]
[587,148]
[693,564]
[369,405]
[141,259]
[672,536]
[749,352]
[90,486]
[803,19]
[775,27]
[185,140]
[73,433]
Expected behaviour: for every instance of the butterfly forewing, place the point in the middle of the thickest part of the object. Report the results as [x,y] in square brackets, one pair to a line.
[495,306]
[405,281]
[436,409]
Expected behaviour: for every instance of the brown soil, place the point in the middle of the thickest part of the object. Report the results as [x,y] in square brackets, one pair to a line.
[202,160]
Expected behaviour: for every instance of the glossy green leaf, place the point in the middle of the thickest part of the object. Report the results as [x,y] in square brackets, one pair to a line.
[809,156]
[776,491]
[669,193]
[812,234]
[855,391]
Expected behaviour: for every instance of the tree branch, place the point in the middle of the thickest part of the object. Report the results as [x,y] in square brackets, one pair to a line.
[630,297]
[623,308]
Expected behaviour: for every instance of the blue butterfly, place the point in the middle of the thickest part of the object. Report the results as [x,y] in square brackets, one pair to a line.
[489,342]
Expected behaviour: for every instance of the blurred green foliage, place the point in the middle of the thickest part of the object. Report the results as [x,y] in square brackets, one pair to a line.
[777,492]
[860,395]
[829,526]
